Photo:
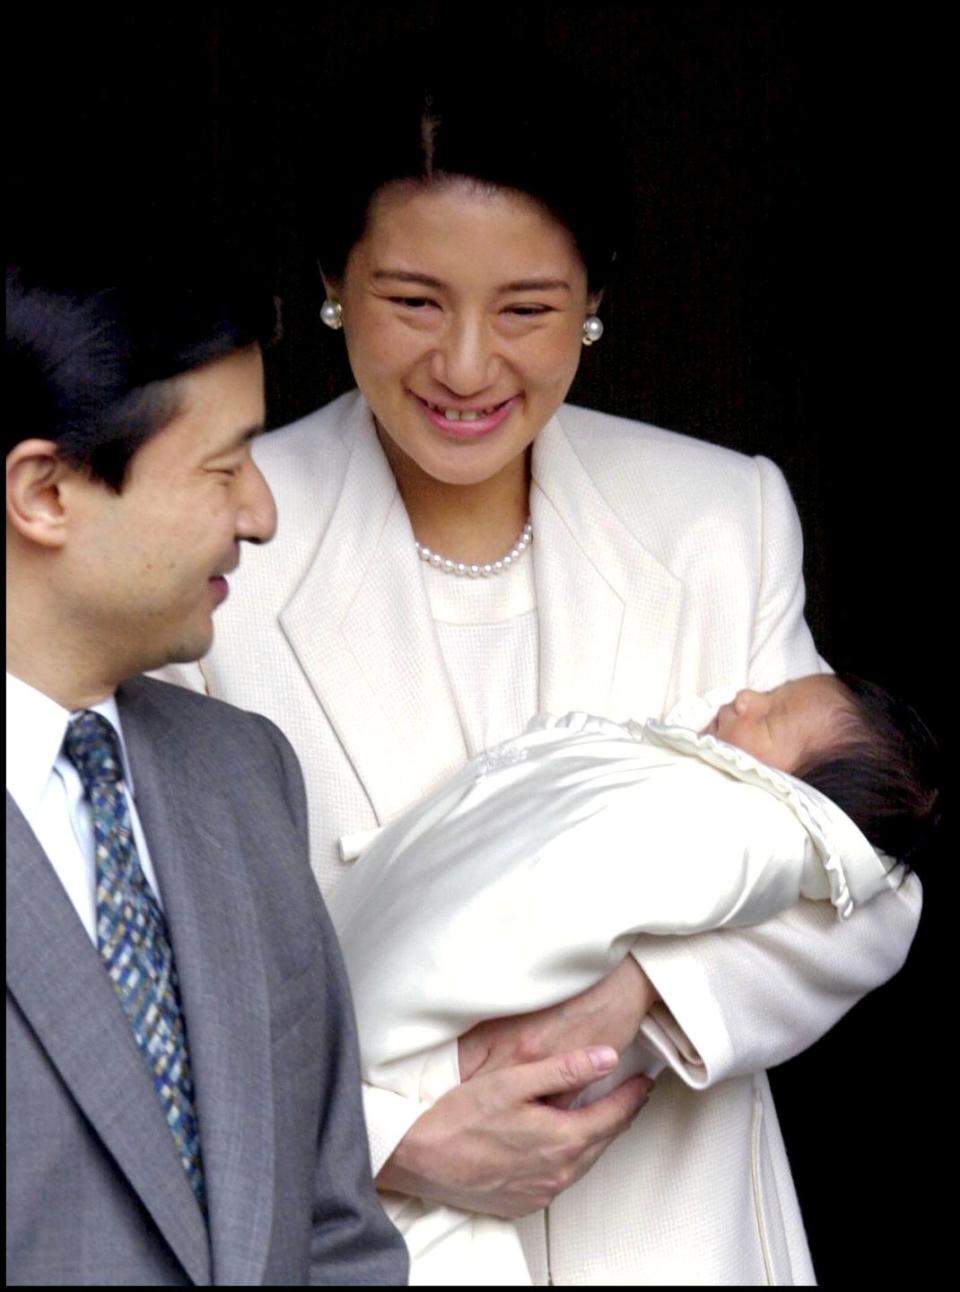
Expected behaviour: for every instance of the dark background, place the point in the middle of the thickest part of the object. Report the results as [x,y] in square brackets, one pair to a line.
[779,292]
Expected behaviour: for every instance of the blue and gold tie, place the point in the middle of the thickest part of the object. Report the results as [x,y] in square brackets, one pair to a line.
[132,937]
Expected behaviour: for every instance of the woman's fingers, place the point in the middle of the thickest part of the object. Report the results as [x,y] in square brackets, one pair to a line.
[608,1012]
[608,1117]
[556,1075]
[493,1145]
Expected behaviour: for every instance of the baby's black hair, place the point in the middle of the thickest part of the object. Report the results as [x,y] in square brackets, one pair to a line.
[886,771]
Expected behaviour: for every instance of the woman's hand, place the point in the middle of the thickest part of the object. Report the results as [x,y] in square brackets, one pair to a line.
[609,1013]
[494,1145]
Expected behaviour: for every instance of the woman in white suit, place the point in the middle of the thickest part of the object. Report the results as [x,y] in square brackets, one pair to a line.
[459,549]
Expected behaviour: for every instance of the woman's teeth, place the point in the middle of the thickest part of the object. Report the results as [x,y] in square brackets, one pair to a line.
[464,415]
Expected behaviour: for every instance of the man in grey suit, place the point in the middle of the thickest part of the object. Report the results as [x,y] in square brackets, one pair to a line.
[183,1097]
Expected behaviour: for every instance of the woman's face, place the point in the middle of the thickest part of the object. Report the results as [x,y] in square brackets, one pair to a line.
[463,311]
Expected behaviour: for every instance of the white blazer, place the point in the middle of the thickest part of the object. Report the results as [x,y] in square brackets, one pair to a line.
[683,833]
[663,566]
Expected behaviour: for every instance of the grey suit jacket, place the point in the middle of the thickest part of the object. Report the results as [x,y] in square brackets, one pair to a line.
[95,1190]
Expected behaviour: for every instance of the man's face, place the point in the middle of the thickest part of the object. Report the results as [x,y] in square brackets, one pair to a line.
[148,566]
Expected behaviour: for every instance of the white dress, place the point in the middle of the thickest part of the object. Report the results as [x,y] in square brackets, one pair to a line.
[663,567]
[473,905]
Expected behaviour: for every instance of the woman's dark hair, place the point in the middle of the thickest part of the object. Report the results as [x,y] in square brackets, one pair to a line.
[886,772]
[545,134]
[91,354]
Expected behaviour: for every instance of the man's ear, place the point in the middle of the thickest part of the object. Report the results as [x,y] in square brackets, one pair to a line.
[36,475]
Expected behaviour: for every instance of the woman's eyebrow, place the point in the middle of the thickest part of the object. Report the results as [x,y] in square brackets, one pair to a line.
[537,285]
[406,276]
[426,280]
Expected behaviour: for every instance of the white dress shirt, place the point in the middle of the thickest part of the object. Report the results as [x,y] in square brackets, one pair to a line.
[47,789]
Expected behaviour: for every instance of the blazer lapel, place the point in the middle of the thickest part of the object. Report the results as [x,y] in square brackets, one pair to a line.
[195,848]
[58,980]
[608,609]
[361,628]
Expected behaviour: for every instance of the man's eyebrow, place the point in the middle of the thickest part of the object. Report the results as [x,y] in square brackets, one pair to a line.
[248,434]
[237,442]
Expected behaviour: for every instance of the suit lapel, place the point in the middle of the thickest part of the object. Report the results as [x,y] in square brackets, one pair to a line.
[58,980]
[196,849]
[608,609]
[361,628]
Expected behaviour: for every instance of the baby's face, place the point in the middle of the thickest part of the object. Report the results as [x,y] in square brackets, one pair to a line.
[784,726]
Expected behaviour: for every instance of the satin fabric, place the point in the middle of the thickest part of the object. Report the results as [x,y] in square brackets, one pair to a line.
[541,861]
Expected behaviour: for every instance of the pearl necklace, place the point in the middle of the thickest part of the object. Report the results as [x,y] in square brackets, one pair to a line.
[477,571]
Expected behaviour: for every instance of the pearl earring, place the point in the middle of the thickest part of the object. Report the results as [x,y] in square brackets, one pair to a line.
[332,314]
[592,329]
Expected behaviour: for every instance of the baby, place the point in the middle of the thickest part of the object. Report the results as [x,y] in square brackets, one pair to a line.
[524,879]
[851,740]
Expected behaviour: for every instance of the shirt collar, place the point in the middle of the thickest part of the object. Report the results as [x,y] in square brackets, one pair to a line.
[36,726]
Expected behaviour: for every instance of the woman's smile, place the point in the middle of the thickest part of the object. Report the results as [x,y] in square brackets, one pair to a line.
[468,423]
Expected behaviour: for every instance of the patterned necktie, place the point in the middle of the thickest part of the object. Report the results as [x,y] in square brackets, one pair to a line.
[132,937]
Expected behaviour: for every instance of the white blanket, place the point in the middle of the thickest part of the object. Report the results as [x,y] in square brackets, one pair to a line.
[523,880]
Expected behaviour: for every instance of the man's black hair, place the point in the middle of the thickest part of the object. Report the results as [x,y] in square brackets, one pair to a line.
[93,350]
